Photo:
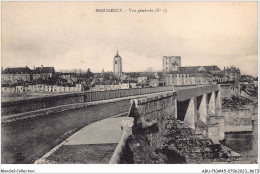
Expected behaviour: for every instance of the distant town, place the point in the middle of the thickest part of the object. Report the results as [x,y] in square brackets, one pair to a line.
[46,79]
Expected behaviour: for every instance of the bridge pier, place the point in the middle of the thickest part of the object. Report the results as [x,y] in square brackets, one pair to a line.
[221,119]
[175,111]
[216,125]
[212,103]
[221,127]
[203,110]
[213,132]
[218,104]
[189,119]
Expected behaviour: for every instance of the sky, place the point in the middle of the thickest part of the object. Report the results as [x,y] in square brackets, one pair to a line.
[70,35]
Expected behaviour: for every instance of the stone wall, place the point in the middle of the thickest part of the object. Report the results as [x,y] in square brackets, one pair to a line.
[237,110]
[238,121]
[229,90]
[216,128]
[21,106]
[151,116]
[14,107]
[187,94]
[42,88]
[159,137]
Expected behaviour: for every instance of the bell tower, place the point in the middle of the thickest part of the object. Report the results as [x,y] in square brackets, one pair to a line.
[117,65]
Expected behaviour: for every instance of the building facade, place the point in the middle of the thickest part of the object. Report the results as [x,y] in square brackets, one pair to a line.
[233,73]
[43,73]
[187,76]
[15,75]
[190,75]
[117,65]
[171,63]
[41,88]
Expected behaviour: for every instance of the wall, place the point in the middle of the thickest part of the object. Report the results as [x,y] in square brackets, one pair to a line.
[20,106]
[238,121]
[168,63]
[111,94]
[188,79]
[151,116]
[105,87]
[159,138]
[41,88]
[14,107]
[195,92]
[237,118]
[229,90]
[15,77]
[216,128]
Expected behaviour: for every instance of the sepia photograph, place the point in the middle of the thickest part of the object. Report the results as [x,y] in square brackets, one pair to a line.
[122,83]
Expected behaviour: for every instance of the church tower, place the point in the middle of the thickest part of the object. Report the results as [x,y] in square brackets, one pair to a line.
[117,65]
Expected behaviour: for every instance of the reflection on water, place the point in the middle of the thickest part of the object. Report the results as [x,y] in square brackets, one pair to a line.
[244,143]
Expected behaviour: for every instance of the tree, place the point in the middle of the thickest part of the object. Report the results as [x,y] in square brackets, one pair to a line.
[89,74]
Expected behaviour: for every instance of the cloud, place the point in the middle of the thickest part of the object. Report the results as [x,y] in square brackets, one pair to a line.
[72,35]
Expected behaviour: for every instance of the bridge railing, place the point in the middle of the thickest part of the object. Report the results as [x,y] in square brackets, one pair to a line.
[26,105]
[111,94]
[186,94]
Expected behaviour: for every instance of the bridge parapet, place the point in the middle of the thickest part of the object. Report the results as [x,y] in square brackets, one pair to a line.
[202,104]
[26,105]
[152,115]
[187,94]
[158,134]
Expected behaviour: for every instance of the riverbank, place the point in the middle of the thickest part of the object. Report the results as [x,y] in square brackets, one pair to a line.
[241,127]
[244,143]
[239,113]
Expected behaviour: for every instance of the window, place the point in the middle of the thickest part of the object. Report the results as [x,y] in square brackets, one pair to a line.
[115,62]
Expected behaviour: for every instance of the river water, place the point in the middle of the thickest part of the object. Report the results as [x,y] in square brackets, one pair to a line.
[245,143]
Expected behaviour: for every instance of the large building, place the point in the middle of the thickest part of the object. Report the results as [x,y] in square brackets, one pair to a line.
[117,65]
[233,73]
[171,63]
[190,75]
[15,75]
[193,75]
[43,72]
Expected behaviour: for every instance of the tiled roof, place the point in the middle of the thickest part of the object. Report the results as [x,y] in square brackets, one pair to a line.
[196,69]
[189,69]
[39,70]
[19,70]
[212,68]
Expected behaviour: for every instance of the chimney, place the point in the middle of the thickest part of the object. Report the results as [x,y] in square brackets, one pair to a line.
[41,66]
[34,67]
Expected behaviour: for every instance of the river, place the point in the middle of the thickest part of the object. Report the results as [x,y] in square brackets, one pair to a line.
[245,143]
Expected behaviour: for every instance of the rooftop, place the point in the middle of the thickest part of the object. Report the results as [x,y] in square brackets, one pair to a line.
[39,70]
[17,70]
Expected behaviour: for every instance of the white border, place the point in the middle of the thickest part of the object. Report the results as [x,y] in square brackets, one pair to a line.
[130,168]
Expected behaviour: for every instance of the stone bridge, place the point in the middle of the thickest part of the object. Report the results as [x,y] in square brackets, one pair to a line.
[197,108]
[200,107]
[182,126]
